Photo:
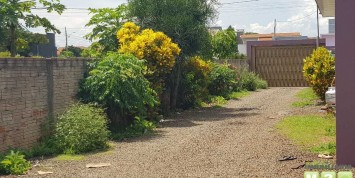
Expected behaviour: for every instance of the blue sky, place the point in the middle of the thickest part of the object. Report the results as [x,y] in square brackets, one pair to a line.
[251,15]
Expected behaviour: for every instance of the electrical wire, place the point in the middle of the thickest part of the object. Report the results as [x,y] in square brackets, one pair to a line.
[239,2]
[300,18]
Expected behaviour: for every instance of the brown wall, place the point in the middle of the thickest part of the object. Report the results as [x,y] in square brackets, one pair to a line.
[238,63]
[31,92]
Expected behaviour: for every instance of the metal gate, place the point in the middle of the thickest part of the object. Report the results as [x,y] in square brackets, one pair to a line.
[281,66]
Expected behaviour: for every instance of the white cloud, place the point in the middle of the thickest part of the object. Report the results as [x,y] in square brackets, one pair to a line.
[259,18]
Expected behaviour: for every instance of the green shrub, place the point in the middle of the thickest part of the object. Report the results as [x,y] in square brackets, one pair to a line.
[118,83]
[45,148]
[82,128]
[137,128]
[5,54]
[15,164]
[66,54]
[261,84]
[251,81]
[217,101]
[222,80]
[319,71]
[194,82]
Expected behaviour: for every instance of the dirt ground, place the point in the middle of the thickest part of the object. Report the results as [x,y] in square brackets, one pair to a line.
[238,140]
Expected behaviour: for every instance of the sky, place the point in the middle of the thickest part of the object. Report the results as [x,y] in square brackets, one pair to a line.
[251,15]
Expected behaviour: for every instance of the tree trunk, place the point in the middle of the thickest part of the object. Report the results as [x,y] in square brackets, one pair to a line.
[13,40]
[177,78]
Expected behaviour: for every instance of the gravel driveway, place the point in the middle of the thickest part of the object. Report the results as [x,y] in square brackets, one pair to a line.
[238,140]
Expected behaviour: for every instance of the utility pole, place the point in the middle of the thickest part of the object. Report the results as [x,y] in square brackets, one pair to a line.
[66,39]
[317,27]
[275,29]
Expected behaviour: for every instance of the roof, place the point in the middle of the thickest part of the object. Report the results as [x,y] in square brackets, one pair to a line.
[215,28]
[271,35]
[326,7]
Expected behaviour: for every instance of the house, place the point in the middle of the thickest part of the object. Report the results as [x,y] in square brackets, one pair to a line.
[330,37]
[269,37]
[242,47]
[214,30]
[345,72]
[45,50]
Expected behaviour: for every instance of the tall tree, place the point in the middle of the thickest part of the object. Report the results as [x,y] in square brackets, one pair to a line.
[14,11]
[224,44]
[185,21]
[106,23]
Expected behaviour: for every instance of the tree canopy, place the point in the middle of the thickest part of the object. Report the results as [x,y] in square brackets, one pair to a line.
[224,44]
[12,12]
[185,21]
[106,23]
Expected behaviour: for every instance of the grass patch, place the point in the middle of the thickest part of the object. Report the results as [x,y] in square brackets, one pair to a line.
[327,148]
[67,157]
[238,95]
[218,101]
[313,133]
[306,98]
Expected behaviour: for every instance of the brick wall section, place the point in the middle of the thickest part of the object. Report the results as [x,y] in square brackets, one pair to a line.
[31,92]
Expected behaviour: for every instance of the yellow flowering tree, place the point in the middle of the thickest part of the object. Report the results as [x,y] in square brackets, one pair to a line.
[155,47]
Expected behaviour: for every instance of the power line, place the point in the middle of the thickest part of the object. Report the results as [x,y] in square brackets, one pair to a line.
[69,8]
[265,7]
[238,2]
[300,18]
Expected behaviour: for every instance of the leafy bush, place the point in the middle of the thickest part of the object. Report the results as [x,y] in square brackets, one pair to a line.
[261,84]
[118,83]
[5,54]
[194,83]
[217,101]
[66,53]
[224,44]
[95,50]
[137,128]
[319,71]
[248,80]
[223,80]
[251,81]
[82,128]
[45,148]
[15,164]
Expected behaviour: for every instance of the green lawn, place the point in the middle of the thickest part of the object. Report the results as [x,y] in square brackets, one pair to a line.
[313,133]
[306,97]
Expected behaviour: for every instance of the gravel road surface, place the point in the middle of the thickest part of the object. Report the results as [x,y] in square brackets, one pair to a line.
[238,140]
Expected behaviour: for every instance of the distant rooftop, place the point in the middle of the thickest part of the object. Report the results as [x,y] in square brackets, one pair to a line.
[215,28]
[270,36]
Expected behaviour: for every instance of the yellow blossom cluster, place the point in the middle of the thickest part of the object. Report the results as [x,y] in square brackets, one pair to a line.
[128,32]
[201,65]
[155,47]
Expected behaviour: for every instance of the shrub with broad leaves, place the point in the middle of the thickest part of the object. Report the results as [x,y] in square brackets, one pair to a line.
[319,71]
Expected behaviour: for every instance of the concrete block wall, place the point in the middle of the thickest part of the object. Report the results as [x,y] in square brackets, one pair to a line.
[33,91]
